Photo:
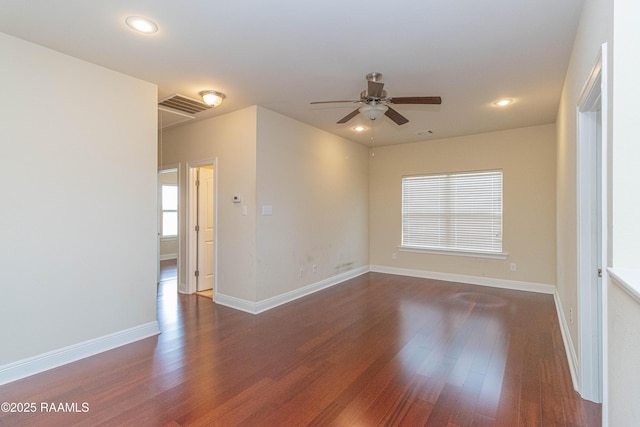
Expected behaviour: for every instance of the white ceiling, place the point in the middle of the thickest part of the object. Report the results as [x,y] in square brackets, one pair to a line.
[284,54]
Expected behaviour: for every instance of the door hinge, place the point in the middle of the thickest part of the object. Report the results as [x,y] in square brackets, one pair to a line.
[197,273]
[197,228]
[197,183]
[599,272]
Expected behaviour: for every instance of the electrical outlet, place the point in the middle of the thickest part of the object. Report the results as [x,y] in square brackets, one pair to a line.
[301,271]
[571,315]
[512,266]
[394,255]
[315,269]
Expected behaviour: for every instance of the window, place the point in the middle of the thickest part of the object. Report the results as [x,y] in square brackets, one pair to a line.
[169,210]
[453,212]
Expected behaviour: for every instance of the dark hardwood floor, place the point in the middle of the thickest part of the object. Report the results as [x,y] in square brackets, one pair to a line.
[376,350]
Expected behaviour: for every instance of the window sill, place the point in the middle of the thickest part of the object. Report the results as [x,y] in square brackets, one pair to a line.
[490,255]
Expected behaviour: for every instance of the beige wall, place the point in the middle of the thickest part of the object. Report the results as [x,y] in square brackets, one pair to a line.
[315,182]
[527,157]
[78,221]
[231,139]
[317,185]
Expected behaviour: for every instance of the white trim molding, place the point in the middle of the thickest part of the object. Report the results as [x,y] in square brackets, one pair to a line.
[62,356]
[472,280]
[570,350]
[269,303]
[591,228]
[474,254]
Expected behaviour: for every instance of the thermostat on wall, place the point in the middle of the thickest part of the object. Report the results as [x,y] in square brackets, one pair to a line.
[236,199]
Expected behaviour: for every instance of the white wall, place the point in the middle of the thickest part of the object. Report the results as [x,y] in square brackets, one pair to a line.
[623,310]
[317,185]
[626,136]
[593,30]
[624,368]
[231,139]
[527,157]
[78,220]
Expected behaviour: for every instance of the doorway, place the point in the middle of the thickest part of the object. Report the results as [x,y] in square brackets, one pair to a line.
[201,226]
[592,230]
[168,224]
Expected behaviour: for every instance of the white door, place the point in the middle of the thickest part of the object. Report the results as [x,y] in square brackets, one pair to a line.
[206,228]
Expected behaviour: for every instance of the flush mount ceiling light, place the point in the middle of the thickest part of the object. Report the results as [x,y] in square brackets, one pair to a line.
[212,98]
[359,128]
[373,111]
[503,102]
[141,24]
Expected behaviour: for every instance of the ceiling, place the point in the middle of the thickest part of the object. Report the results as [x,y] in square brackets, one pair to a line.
[283,55]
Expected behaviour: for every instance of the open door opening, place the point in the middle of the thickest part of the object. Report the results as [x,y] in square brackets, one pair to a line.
[168,239]
[202,229]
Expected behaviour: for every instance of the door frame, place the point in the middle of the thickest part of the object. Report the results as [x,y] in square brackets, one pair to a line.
[592,147]
[192,219]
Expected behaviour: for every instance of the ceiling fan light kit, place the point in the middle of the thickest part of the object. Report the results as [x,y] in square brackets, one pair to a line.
[373,111]
[375,102]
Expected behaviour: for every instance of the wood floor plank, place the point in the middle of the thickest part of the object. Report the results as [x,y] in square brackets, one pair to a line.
[376,350]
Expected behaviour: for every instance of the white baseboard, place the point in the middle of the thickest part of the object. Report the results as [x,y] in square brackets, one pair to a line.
[182,288]
[235,303]
[269,303]
[166,257]
[52,359]
[572,357]
[472,280]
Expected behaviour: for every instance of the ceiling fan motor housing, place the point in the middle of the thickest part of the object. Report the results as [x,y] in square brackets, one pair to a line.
[374,77]
[364,95]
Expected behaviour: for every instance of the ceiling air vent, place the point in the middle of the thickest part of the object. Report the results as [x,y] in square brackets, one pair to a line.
[184,104]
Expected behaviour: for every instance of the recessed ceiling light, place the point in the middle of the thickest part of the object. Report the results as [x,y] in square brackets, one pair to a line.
[359,128]
[141,24]
[503,102]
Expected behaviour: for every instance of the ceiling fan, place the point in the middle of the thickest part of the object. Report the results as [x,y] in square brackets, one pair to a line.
[374,102]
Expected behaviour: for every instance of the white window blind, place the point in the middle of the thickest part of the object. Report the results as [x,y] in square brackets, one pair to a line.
[453,211]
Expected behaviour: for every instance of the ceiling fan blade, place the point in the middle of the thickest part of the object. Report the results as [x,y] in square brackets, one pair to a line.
[349,116]
[395,116]
[374,89]
[331,102]
[415,100]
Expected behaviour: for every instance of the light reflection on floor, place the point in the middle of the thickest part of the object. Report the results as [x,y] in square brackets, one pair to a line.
[463,344]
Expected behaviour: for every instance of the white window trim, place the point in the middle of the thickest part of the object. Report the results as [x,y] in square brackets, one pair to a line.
[434,251]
